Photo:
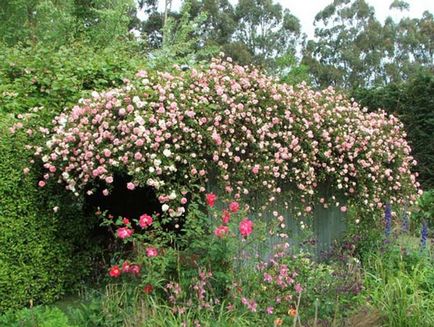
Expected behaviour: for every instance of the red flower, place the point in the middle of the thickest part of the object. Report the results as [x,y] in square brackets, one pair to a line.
[246,227]
[210,199]
[114,271]
[148,288]
[234,206]
[226,216]
[125,221]
[145,221]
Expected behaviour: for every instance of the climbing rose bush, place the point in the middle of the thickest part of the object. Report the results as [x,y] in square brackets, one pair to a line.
[172,131]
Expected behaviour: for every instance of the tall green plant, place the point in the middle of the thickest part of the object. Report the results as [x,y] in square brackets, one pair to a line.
[400,286]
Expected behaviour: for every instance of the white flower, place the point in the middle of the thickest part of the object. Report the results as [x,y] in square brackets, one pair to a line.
[139,120]
[151,170]
[172,195]
[180,211]
[136,99]
[167,152]
[157,162]
[164,207]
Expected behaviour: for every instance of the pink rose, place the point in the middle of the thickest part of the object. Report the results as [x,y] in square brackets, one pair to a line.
[41,183]
[226,217]
[255,169]
[234,206]
[221,231]
[124,232]
[126,267]
[135,269]
[145,221]
[151,252]
[246,227]
[131,186]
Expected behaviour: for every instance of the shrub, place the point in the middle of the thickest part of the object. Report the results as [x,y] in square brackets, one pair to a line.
[172,131]
[38,316]
[43,253]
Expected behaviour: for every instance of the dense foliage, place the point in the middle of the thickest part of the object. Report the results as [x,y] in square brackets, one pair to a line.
[37,243]
[43,253]
[62,22]
[39,76]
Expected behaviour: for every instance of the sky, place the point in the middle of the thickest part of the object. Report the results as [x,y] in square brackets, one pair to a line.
[305,10]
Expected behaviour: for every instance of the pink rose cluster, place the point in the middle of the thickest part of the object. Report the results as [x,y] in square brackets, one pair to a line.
[169,131]
[245,226]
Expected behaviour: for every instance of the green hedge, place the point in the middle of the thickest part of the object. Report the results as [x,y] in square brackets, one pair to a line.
[35,76]
[42,253]
[413,103]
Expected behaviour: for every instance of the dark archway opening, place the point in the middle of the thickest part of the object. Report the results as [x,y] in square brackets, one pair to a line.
[130,204]
[123,202]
